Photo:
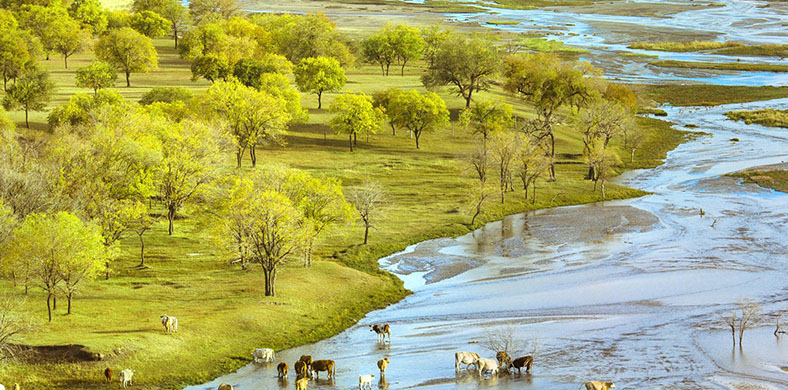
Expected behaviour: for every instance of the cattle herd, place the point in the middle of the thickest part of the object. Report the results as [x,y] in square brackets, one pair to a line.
[306,368]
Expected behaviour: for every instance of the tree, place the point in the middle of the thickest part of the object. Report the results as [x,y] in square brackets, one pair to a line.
[189,154]
[141,224]
[62,251]
[532,164]
[127,50]
[16,53]
[383,100]
[354,114]
[305,36]
[89,13]
[118,19]
[70,38]
[250,72]
[150,24]
[549,84]
[31,91]
[748,309]
[13,322]
[487,117]
[252,116]
[419,113]
[39,21]
[601,120]
[731,320]
[407,44]
[466,63]
[318,75]
[433,36]
[479,161]
[602,161]
[377,49]
[210,67]
[367,199]
[178,16]
[81,108]
[97,75]
[200,9]
[166,95]
[633,137]
[504,147]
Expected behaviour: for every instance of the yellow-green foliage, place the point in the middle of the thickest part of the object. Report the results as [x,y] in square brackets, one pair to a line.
[775,179]
[759,50]
[766,117]
[548,45]
[722,66]
[710,95]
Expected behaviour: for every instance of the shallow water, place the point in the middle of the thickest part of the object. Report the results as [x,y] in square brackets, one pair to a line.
[630,291]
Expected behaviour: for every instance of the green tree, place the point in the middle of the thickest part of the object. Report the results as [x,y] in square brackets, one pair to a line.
[252,116]
[31,91]
[210,67]
[118,19]
[466,63]
[318,75]
[17,51]
[407,44]
[602,120]
[81,107]
[419,113]
[97,75]
[200,9]
[39,21]
[550,84]
[487,117]
[250,71]
[61,250]
[306,36]
[150,24]
[178,16]
[383,100]
[166,95]
[129,51]
[433,37]
[378,49]
[69,38]
[354,114]
[89,13]
[601,160]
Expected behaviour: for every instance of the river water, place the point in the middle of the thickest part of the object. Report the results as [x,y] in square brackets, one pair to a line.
[628,291]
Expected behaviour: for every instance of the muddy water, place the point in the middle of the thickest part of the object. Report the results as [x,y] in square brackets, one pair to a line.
[630,291]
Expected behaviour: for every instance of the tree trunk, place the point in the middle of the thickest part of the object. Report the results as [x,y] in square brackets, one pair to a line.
[175,34]
[49,306]
[741,336]
[355,138]
[238,157]
[69,302]
[603,189]
[591,174]
[270,278]
[387,68]
[319,100]
[170,219]
[253,155]
[393,129]
[533,193]
[632,156]
[733,335]
[350,139]
[417,135]
[27,123]
[552,156]
[366,233]
[142,251]
[128,83]
[382,71]
[65,60]
[468,99]
[54,303]
[106,269]
[402,70]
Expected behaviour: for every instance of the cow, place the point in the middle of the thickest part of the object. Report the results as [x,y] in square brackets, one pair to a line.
[170,324]
[324,365]
[520,362]
[306,359]
[2,387]
[301,383]
[281,369]
[484,365]
[598,385]
[382,364]
[16,386]
[125,377]
[381,331]
[225,386]
[263,354]
[365,381]
[503,359]
[466,358]
[108,374]
[301,369]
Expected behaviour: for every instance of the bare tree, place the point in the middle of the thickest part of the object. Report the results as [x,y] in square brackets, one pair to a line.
[12,323]
[367,199]
[748,309]
[503,339]
[504,147]
[731,320]
[479,160]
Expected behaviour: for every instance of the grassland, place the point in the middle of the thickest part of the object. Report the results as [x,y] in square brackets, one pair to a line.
[708,95]
[715,47]
[776,179]
[223,313]
[721,66]
[766,117]
[548,45]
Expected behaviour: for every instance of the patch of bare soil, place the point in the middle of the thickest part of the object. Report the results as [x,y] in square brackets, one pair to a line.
[49,354]
[595,223]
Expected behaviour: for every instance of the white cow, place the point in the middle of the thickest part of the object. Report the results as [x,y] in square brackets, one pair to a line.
[2,387]
[466,358]
[170,324]
[125,377]
[263,354]
[486,365]
[365,381]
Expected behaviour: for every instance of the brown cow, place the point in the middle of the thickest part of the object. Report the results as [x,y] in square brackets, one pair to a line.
[598,385]
[324,365]
[520,362]
[281,369]
[225,386]
[381,331]
[108,374]
[301,369]
[301,383]
[306,359]
[382,364]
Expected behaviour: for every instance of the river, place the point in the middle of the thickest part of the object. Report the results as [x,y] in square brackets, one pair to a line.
[628,291]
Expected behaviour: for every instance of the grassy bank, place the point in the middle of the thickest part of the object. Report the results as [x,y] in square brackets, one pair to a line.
[775,179]
[721,66]
[766,117]
[716,47]
[222,312]
[708,95]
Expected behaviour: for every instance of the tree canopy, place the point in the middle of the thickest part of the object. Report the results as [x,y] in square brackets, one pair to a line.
[354,114]
[129,51]
[419,113]
[97,75]
[318,75]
